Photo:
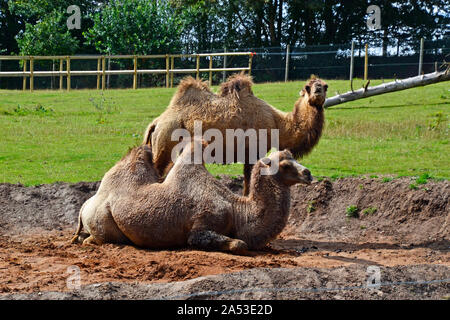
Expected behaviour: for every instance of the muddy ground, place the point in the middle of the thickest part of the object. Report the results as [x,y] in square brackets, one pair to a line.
[321,254]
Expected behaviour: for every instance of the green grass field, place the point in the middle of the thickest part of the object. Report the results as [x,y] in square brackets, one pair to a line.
[49,136]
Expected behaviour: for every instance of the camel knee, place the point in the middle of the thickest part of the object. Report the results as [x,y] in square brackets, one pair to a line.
[237,246]
[206,239]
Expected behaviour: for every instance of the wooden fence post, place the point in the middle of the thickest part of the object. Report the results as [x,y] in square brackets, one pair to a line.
[31,74]
[103,72]
[167,71]
[366,63]
[421,56]
[61,69]
[250,59]
[52,78]
[109,68]
[68,72]
[172,64]
[210,72]
[98,73]
[286,71]
[198,67]
[135,73]
[24,85]
[224,74]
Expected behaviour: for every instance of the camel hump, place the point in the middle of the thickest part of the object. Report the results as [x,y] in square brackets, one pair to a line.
[191,83]
[235,84]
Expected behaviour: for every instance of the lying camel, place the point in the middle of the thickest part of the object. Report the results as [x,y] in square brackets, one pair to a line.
[129,174]
[190,207]
[237,107]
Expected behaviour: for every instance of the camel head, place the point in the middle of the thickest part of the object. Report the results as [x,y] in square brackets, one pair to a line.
[315,91]
[290,172]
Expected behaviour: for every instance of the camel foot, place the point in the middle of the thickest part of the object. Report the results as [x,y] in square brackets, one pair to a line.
[74,239]
[79,238]
[91,241]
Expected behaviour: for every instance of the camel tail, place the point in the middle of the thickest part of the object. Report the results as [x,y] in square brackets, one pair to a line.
[80,226]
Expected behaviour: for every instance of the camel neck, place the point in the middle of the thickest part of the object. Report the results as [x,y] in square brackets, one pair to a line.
[263,215]
[304,128]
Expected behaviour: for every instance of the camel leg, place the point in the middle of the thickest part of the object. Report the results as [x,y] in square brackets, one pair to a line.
[210,240]
[247,174]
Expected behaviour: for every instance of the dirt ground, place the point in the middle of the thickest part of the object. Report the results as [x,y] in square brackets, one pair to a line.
[409,230]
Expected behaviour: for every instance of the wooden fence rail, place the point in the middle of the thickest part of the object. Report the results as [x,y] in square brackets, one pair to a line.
[101,71]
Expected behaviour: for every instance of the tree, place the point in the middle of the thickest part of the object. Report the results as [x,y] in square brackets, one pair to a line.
[49,36]
[33,12]
[207,24]
[9,27]
[135,27]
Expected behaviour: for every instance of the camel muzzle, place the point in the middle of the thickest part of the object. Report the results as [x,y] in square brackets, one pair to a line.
[304,174]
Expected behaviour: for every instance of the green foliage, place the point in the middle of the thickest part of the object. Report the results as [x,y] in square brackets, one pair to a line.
[36,110]
[352,211]
[437,120]
[208,23]
[387,179]
[413,186]
[311,206]
[369,211]
[103,106]
[49,36]
[423,179]
[135,27]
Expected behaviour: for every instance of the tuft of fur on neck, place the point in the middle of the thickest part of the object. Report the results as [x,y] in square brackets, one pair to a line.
[261,216]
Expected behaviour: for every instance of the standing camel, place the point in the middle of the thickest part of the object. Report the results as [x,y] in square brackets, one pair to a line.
[236,107]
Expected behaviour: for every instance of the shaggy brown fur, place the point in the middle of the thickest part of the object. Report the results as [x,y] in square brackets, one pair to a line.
[236,107]
[134,170]
[191,206]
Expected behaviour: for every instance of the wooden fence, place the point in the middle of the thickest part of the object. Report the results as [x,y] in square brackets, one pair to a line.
[101,72]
